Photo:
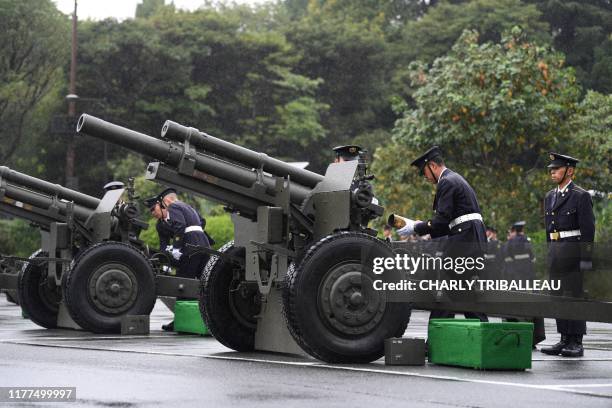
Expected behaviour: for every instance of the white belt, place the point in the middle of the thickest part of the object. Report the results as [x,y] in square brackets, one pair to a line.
[193,228]
[522,256]
[490,256]
[564,234]
[464,218]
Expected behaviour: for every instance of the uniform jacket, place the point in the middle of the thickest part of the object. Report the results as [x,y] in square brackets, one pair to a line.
[181,216]
[519,258]
[454,197]
[572,210]
[493,260]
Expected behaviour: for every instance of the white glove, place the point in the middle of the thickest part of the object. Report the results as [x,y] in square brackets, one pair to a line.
[407,229]
[176,253]
[169,248]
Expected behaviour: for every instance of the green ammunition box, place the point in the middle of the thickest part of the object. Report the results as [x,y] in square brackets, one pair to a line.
[476,344]
[187,318]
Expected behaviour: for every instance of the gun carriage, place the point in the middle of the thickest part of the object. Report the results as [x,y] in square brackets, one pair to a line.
[297,271]
[92,269]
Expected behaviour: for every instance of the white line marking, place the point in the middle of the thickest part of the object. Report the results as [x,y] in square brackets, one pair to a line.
[582,385]
[558,388]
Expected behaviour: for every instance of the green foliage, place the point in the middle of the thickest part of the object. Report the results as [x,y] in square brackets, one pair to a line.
[18,238]
[148,8]
[32,52]
[149,236]
[582,31]
[434,34]
[603,221]
[591,141]
[352,59]
[495,109]
[220,228]
[297,77]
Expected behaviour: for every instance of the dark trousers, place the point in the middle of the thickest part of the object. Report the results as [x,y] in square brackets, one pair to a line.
[564,265]
[192,266]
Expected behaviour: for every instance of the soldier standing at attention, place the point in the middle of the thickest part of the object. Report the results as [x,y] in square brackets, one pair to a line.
[570,232]
[456,215]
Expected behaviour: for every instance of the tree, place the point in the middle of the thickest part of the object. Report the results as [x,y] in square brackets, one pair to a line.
[33,50]
[353,61]
[591,141]
[582,30]
[496,110]
[434,34]
[224,72]
[148,8]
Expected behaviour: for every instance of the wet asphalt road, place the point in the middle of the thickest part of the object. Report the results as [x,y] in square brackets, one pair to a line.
[168,369]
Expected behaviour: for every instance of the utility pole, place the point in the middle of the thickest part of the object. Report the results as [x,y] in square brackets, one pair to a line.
[71,180]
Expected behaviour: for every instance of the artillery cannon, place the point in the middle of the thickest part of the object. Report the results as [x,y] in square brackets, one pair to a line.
[298,272]
[294,274]
[92,269]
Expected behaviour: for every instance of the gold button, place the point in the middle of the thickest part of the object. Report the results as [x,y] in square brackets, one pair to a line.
[553,222]
[552,213]
[459,229]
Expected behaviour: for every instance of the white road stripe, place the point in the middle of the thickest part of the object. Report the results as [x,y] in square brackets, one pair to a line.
[558,388]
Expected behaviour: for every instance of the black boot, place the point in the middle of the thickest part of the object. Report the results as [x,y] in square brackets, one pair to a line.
[574,347]
[556,349]
[168,327]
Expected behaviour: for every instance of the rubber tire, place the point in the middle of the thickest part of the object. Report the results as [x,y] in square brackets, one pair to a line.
[76,280]
[28,282]
[302,314]
[214,303]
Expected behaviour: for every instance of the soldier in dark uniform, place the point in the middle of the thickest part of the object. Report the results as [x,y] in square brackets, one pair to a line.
[178,227]
[457,216]
[163,229]
[518,254]
[570,232]
[493,256]
[186,226]
[519,260]
[346,153]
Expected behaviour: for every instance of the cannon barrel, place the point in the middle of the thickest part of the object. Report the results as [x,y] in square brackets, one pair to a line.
[45,187]
[171,154]
[177,132]
[21,197]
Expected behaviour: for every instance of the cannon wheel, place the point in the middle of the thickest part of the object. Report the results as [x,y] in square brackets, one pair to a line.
[106,282]
[227,305]
[330,307]
[39,298]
